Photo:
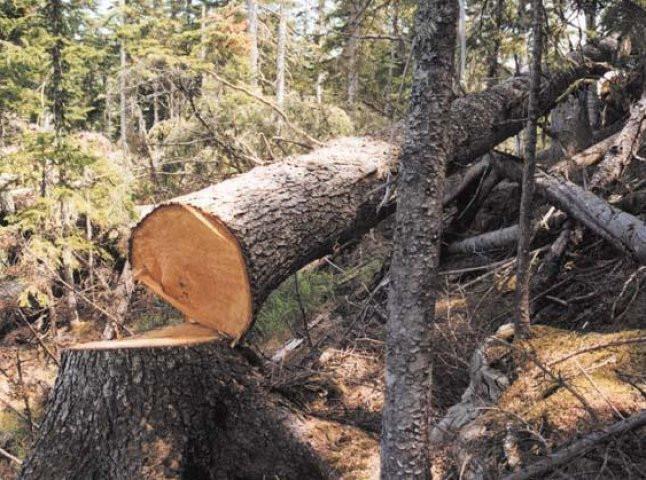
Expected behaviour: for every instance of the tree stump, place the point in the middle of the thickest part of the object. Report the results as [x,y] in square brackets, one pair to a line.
[196,411]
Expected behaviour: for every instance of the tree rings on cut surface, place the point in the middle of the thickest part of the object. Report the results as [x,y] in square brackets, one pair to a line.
[189,258]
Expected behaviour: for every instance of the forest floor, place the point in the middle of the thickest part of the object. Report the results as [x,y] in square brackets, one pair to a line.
[596,299]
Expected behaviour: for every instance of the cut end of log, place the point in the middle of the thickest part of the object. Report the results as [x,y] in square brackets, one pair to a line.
[177,335]
[190,259]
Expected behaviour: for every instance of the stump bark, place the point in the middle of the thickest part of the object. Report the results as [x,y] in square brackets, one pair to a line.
[195,412]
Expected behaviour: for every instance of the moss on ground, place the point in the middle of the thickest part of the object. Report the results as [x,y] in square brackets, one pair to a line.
[610,380]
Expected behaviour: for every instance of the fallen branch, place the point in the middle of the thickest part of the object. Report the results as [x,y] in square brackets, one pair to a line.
[599,346]
[488,241]
[579,447]
[587,158]
[6,454]
[624,231]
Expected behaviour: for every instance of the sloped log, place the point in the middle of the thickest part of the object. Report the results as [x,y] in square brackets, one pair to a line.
[483,120]
[197,412]
[623,230]
[216,254]
[271,221]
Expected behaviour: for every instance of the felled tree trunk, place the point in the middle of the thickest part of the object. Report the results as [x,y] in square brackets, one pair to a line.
[197,412]
[216,254]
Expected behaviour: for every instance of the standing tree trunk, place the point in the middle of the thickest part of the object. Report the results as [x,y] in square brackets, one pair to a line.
[427,150]
[393,55]
[281,55]
[352,50]
[123,98]
[320,27]
[252,15]
[462,40]
[493,65]
[523,275]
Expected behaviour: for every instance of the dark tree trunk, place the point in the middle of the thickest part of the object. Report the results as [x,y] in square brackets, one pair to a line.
[493,65]
[420,185]
[194,412]
[480,121]
[523,274]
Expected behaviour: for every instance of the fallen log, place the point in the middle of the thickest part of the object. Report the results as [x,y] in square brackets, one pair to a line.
[216,254]
[623,230]
[485,242]
[625,147]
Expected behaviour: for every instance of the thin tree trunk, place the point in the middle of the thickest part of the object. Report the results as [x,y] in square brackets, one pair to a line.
[281,56]
[523,275]
[426,152]
[252,15]
[123,98]
[203,26]
[352,51]
[462,40]
[320,27]
[592,99]
[394,45]
[492,61]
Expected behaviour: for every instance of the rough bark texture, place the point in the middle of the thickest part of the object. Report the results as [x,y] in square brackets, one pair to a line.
[195,413]
[480,121]
[426,152]
[287,214]
[626,232]
[522,311]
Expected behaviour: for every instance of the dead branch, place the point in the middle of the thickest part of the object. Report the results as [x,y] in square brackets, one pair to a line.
[624,148]
[599,346]
[587,158]
[624,231]
[579,447]
[9,456]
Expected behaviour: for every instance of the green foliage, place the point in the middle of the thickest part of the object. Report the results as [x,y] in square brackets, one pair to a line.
[69,180]
[282,311]
[17,430]
[317,287]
